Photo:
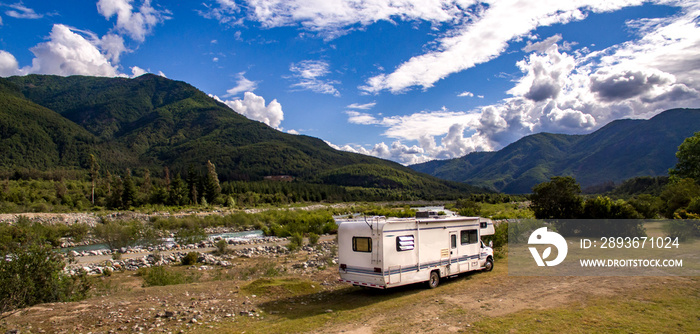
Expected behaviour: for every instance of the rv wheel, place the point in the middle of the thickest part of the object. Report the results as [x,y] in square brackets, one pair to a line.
[434,280]
[488,266]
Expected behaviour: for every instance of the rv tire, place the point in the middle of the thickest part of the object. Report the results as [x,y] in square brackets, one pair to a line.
[434,280]
[488,266]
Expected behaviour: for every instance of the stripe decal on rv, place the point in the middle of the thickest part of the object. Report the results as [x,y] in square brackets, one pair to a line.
[370,271]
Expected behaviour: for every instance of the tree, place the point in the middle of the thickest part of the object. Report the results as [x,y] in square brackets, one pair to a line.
[688,155]
[116,189]
[678,195]
[177,195]
[557,199]
[129,194]
[94,174]
[212,188]
[603,207]
[192,179]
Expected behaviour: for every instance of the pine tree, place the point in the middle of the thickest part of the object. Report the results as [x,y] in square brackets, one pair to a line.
[116,190]
[178,191]
[212,188]
[129,194]
[192,180]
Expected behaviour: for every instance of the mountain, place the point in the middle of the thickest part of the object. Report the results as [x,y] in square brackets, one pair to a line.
[620,150]
[49,122]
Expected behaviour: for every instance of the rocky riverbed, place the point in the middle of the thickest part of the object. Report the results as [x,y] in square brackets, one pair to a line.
[320,255]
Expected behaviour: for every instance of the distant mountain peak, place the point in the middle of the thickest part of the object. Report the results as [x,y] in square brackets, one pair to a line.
[619,150]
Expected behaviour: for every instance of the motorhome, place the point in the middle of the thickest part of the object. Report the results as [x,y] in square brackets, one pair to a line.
[381,252]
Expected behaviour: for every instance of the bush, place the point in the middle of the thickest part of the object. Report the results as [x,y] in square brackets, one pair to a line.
[221,247]
[159,276]
[32,274]
[117,235]
[313,238]
[295,241]
[190,259]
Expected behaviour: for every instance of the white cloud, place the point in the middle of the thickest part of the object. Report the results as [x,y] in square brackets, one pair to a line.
[563,93]
[357,117]
[332,18]
[501,22]
[466,94]
[399,152]
[8,64]
[542,46]
[19,11]
[112,46]
[253,107]
[69,53]
[242,85]
[365,106]
[225,11]
[137,71]
[309,74]
[137,24]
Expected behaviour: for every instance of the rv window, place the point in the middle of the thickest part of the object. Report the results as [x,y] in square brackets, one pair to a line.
[469,237]
[453,240]
[405,243]
[362,244]
[484,225]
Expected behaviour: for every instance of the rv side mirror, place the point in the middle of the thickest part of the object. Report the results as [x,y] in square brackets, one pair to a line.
[491,243]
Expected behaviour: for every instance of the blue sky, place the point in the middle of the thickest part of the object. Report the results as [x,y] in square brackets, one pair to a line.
[408,81]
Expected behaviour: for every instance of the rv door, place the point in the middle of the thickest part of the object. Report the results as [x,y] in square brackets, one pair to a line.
[453,259]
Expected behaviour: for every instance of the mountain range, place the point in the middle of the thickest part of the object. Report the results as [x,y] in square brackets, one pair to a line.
[619,150]
[52,122]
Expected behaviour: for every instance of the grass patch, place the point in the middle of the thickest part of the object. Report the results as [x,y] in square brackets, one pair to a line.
[661,310]
[160,276]
[283,287]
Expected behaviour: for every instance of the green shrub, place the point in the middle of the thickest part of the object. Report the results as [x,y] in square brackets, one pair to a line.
[32,274]
[295,241]
[313,238]
[190,259]
[159,276]
[221,247]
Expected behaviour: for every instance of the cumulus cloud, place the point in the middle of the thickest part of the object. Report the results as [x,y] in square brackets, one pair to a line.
[137,24]
[310,73]
[253,107]
[422,127]
[8,64]
[68,53]
[72,51]
[628,83]
[399,152]
[137,71]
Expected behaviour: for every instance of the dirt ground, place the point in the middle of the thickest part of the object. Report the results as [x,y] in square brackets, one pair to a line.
[221,302]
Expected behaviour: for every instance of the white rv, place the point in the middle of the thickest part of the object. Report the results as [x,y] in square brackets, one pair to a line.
[382,252]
